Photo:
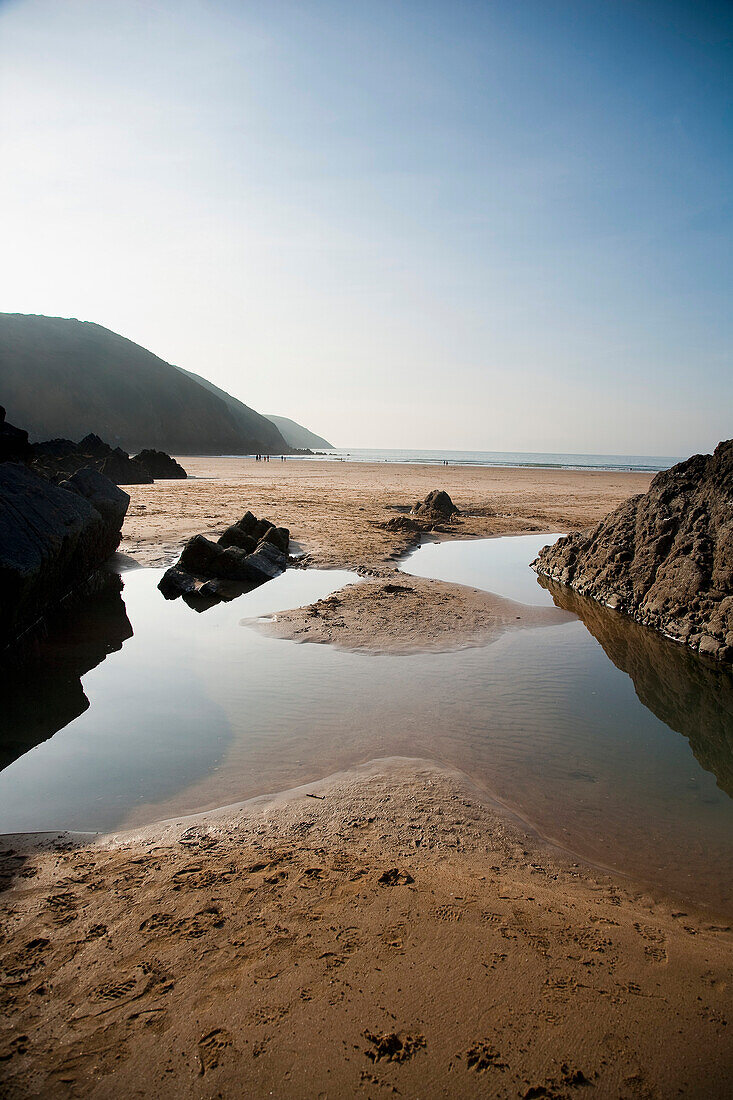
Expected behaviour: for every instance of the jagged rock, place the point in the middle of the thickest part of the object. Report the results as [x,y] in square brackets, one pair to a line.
[199,556]
[666,557]
[235,536]
[159,465]
[57,459]
[120,468]
[278,537]
[437,505]
[176,582]
[268,560]
[92,445]
[54,448]
[51,541]
[248,553]
[110,501]
[14,445]
[234,564]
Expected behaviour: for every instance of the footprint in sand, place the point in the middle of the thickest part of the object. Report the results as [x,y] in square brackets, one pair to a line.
[211,1049]
[395,877]
[449,913]
[482,1057]
[393,1046]
[654,947]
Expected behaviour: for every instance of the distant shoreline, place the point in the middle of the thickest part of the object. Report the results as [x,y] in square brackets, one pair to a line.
[532,460]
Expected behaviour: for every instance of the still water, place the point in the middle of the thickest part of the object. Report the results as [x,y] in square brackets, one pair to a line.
[604,737]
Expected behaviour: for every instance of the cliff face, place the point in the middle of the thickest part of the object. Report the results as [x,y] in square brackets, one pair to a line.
[67,378]
[665,558]
[298,436]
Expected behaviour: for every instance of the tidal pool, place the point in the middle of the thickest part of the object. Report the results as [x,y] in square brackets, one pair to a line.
[604,737]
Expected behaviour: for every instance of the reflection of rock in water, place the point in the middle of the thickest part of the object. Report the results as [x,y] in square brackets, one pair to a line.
[44,693]
[689,695]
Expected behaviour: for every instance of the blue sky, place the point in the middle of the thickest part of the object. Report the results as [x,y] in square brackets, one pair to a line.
[499,225]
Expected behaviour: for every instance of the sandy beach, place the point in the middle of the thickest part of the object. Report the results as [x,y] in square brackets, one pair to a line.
[387,930]
[335,511]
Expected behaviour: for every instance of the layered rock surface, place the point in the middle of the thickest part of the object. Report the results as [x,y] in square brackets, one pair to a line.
[52,539]
[665,558]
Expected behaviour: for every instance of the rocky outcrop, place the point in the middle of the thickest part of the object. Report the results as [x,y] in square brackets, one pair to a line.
[665,558]
[14,445]
[246,555]
[436,506]
[159,465]
[52,539]
[57,459]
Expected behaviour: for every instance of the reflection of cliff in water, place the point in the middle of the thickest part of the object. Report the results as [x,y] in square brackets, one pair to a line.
[688,694]
[44,693]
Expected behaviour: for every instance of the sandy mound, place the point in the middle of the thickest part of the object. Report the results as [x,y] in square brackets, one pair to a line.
[402,614]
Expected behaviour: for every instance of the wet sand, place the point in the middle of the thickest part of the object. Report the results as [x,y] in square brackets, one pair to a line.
[405,614]
[385,931]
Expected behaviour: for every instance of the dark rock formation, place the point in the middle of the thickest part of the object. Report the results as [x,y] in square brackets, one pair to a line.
[693,697]
[248,553]
[665,558]
[56,459]
[52,539]
[437,505]
[109,500]
[159,465]
[123,470]
[14,445]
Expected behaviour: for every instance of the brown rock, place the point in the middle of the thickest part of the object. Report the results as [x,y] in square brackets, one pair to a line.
[666,557]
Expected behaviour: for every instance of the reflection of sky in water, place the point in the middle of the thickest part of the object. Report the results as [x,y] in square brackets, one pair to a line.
[498,565]
[198,711]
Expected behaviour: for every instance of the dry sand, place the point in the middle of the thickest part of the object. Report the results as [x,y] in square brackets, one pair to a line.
[382,932]
[335,511]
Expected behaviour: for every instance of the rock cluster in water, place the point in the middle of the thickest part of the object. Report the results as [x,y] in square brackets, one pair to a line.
[58,458]
[666,557]
[249,553]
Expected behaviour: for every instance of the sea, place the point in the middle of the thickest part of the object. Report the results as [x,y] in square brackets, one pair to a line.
[517,459]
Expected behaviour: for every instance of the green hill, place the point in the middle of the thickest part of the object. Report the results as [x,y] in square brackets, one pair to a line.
[296,435]
[62,377]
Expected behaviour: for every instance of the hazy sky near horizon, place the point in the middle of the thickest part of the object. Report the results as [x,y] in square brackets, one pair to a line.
[500,225]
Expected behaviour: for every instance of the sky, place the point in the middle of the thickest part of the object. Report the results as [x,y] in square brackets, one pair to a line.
[493,225]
